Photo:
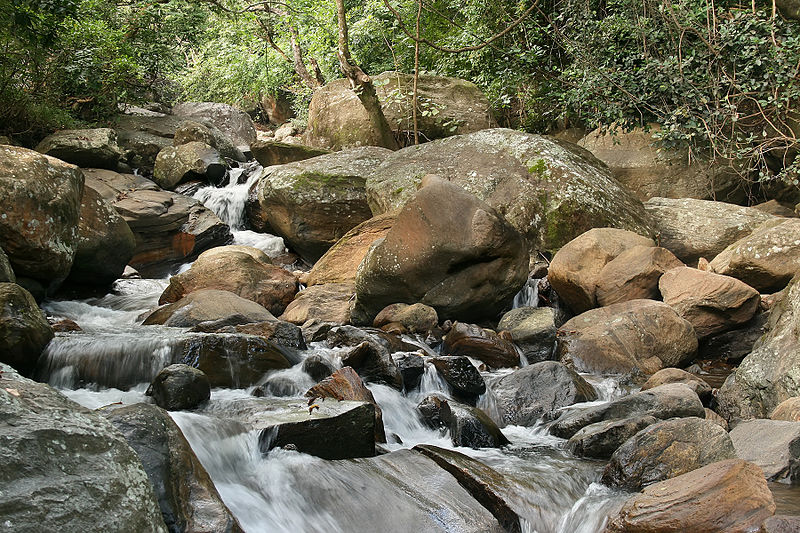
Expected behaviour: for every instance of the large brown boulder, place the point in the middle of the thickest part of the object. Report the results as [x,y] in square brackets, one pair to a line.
[193,160]
[649,170]
[692,229]
[667,449]
[207,305]
[313,203]
[767,258]
[447,249]
[40,200]
[551,191]
[337,119]
[95,148]
[105,242]
[245,271]
[634,274]
[575,269]
[635,336]
[482,344]
[774,445]
[340,263]
[24,331]
[770,374]
[729,496]
[710,302]
[329,303]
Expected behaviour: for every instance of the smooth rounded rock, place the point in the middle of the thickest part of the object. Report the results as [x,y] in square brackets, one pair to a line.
[24,331]
[634,274]
[178,387]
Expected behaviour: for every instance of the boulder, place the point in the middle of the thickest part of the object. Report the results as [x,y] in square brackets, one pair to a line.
[676,375]
[372,361]
[533,330]
[692,229]
[770,374]
[787,410]
[483,344]
[140,148]
[65,468]
[729,496]
[537,391]
[765,259]
[105,242]
[186,495]
[313,203]
[193,160]
[601,439]
[318,367]
[665,450]
[412,367]
[243,270]
[340,263]
[649,170]
[468,426]
[550,191]
[447,250]
[774,445]
[416,318]
[337,119]
[734,345]
[344,384]
[634,336]
[40,197]
[666,401]
[710,302]
[269,153]
[461,375]
[6,272]
[275,331]
[207,305]
[576,267]
[24,331]
[235,123]
[712,416]
[776,208]
[93,148]
[634,274]
[781,523]
[325,303]
[179,387]
[191,131]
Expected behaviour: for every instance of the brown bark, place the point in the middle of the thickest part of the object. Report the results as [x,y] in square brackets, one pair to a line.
[299,64]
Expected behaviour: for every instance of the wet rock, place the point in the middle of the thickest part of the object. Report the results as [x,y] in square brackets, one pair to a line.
[412,367]
[485,345]
[193,160]
[242,270]
[676,375]
[468,426]
[6,272]
[344,384]
[774,445]
[634,274]
[735,344]
[207,305]
[276,331]
[416,318]
[234,122]
[328,303]
[93,148]
[663,402]
[576,267]
[533,330]
[179,387]
[461,375]
[665,450]
[601,439]
[780,524]
[634,336]
[710,302]
[269,153]
[105,242]
[692,229]
[64,326]
[550,191]
[340,263]
[40,197]
[447,250]
[539,390]
[313,203]
[337,119]
[787,410]
[765,259]
[374,363]
[729,496]
[24,331]
[186,495]
[66,466]
[771,373]
[318,367]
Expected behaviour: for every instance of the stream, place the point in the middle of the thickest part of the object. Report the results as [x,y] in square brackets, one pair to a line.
[114,359]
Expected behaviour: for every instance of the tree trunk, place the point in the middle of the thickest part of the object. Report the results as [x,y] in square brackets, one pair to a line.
[362,84]
[299,65]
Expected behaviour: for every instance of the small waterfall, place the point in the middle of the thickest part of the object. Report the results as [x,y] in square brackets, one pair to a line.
[401,419]
[528,295]
[228,202]
[432,382]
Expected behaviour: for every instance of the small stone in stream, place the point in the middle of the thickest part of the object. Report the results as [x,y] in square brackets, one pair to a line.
[485,345]
[601,439]
[179,387]
[461,375]
[318,367]
[412,367]
[66,325]
[468,426]
[416,318]
[533,329]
